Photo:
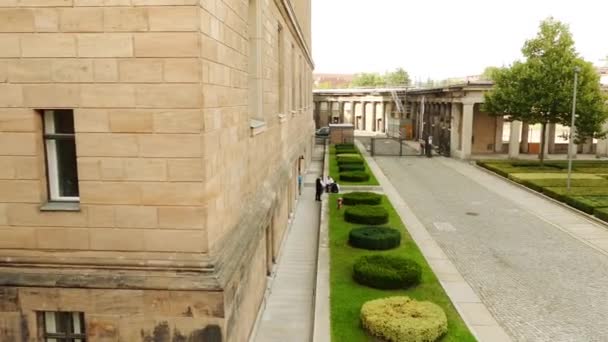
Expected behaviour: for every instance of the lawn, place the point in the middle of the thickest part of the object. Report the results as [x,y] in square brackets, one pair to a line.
[589,181]
[334,172]
[347,296]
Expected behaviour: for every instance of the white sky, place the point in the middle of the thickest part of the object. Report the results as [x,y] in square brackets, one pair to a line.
[444,38]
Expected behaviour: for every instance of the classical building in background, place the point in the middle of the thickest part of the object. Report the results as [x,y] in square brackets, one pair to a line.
[149,154]
[453,115]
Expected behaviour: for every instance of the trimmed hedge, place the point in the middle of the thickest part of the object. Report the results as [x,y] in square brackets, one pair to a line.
[374,238]
[351,167]
[354,176]
[401,319]
[345,147]
[560,193]
[349,156]
[587,204]
[349,162]
[350,152]
[601,213]
[386,272]
[354,198]
[366,214]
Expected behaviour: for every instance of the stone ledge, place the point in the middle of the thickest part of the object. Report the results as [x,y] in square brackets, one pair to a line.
[60,206]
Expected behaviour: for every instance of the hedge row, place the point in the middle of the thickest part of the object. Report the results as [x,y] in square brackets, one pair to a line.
[355,198]
[386,272]
[366,214]
[374,238]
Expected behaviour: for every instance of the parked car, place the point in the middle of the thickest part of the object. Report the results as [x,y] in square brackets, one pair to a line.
[322,132]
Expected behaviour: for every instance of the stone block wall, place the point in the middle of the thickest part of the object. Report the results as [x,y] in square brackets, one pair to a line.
[172,176]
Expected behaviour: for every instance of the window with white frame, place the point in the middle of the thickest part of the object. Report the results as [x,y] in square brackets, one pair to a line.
[62,326]
[60,147]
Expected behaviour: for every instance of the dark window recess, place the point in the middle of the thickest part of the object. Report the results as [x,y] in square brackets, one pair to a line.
[63,326]
[60,145]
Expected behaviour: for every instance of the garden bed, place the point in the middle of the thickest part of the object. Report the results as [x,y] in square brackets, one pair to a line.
[334,169]
[347,296]
[589,181]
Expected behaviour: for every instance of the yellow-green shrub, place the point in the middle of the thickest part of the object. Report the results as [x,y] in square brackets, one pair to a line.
[401,319]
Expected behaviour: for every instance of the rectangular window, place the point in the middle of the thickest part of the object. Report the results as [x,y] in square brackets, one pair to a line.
[63,326]
[281,73]
[256,81]
[60,146]
[293,78]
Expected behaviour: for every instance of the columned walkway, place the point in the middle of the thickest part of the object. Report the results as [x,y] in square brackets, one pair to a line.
[288,315]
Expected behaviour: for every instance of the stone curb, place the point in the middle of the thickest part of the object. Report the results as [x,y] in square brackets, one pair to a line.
[321,321]
[472,310]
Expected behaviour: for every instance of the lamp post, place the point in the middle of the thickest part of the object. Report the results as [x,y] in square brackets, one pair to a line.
[571,141]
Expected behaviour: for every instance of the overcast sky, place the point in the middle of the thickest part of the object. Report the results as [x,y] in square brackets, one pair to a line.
[444,38]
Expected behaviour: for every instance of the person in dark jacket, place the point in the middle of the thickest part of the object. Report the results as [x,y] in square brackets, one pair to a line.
[319,189]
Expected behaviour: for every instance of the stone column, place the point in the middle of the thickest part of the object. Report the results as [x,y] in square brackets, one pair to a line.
[374,118]
[524,138]
[384,123]
[363,116]
[602,144]
[455,134]
[467,129]
[498,138]
[547,135]
[341,109]
[514,139]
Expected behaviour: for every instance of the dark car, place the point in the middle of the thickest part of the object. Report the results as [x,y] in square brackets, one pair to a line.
[322,132]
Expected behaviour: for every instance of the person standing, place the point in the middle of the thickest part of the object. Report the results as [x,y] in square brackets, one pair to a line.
[300,184]
[319,189]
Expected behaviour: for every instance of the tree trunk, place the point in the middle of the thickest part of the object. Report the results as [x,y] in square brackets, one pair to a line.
[543,141]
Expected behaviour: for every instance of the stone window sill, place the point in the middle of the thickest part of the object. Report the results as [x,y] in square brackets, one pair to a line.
[60,206]
[257,127]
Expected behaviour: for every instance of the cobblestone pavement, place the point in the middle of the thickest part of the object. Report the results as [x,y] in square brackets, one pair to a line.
[540,283]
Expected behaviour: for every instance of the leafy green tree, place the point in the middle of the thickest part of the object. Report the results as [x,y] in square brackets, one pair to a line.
[367,80]
[539,89]
[399,77]
[488,73]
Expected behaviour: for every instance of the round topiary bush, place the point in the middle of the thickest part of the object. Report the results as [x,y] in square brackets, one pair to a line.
[374,238]
[386,272]
[401,319]
[351,167]
[354,198]
[354,176]
[366,214]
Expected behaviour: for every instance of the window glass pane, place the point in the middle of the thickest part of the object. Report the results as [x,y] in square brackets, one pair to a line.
[64,121]
[50,325]
[76,324]
[66,168]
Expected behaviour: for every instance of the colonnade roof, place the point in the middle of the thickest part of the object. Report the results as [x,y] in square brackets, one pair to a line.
[469,86]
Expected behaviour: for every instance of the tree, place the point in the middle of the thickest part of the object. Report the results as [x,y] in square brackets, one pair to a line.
[367,80]
[488,73]
[539,89]
[399,77]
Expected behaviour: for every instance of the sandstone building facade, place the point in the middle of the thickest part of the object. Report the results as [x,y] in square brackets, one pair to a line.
[149,154]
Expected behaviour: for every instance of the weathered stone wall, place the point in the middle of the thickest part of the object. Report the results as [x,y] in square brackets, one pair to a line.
[171,174]
[116,315]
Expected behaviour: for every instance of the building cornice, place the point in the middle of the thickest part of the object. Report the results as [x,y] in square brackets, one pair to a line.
[290,17]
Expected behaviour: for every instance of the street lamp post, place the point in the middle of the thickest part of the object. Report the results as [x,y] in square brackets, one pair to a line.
[571,141]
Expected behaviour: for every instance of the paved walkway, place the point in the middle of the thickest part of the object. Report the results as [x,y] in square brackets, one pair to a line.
[288,315]
[539,268]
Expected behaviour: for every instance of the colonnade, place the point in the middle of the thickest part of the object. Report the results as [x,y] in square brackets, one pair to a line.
[365,115]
